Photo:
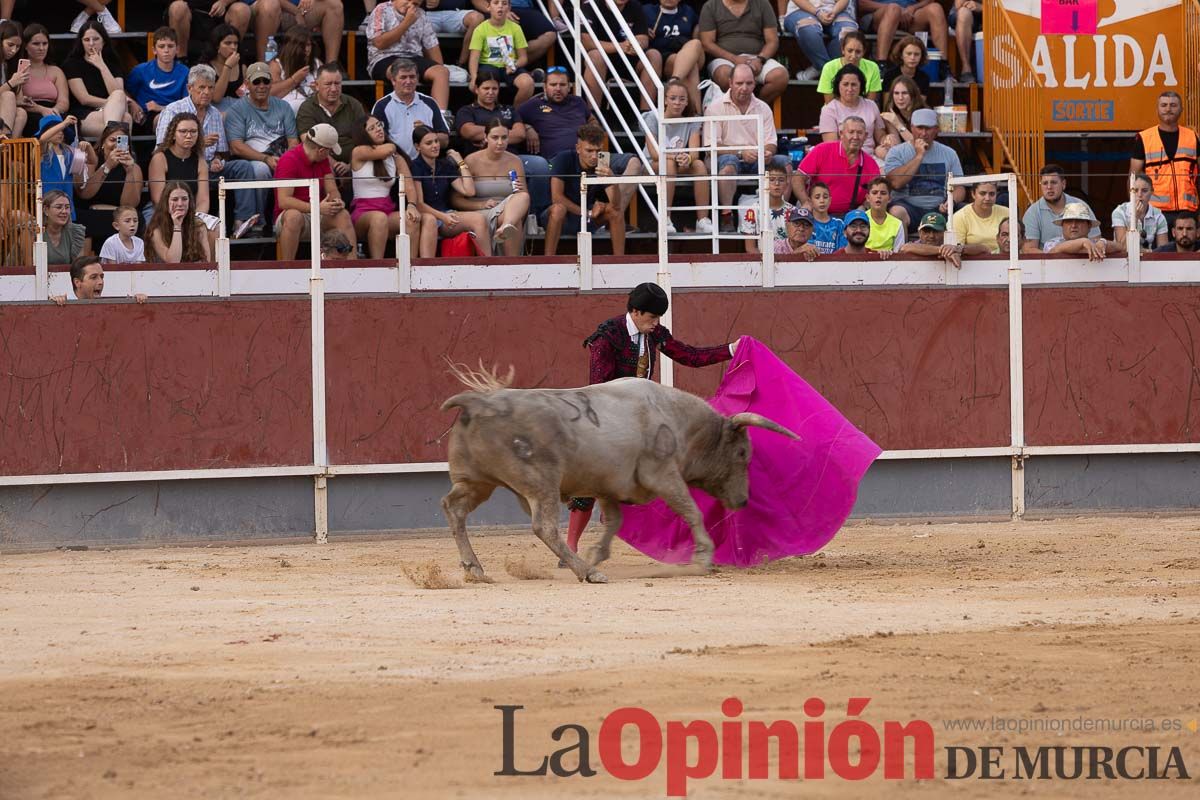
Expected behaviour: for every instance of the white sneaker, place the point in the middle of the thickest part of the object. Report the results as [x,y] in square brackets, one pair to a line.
[109,22]
[704,225]
[531,226]
[671,228]
[458,74]
[80,18]
[810,74]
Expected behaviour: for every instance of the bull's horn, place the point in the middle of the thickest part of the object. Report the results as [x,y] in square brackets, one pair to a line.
[759,421]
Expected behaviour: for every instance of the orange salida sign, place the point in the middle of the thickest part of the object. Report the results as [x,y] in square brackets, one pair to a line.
[1102,64]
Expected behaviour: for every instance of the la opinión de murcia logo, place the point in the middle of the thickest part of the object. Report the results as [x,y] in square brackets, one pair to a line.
[853,749]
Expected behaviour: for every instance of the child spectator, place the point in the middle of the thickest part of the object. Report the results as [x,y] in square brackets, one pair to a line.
[777,184]
[887,231]
[541,32]
[828,232]
[455,18]
[907,58]
[499,44]
[402,29]
[155,84]
[676,99]
[124,246]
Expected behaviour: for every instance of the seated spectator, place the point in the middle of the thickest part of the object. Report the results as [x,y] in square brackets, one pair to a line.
[155,84]
[598,45]
[97,11]
[437,176]
[124,246]
[564,216]
[404,109]
[854,46]
[62,165]
[777,184]
[260,129]
[1184,231]
[14,74]
[932,241]
[857,230]
[454,18]
[799,234]
[919,170]
[96,83]
[185,15]
[737,142]
[294,70]
[818,26]
[87,281]
[540,31]
[402,29]
[887,232]
[1003,239]
[376,164]
[966,18]
[679,54]
[335,245]
[747,36]
[225,58]
[330,105]
[851,103]
[676,105]
[1152,225]
[65,240]
[293,205]
[828,232]
[976,225]
[176,236]
[553,118]
[1041,217]
[116,180]
[179,158]
[500,193]
[498,47]
[900,101]
[843,166]
[885,17]
[1076,221]
[907,59]
[328,15]
[45,91]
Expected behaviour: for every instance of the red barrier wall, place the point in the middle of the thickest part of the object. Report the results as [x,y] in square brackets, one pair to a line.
[111,387]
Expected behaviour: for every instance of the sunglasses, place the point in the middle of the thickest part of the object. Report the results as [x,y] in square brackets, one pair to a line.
[259,81]
[559,70]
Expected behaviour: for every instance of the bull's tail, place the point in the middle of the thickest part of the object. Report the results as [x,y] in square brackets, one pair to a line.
[482,380]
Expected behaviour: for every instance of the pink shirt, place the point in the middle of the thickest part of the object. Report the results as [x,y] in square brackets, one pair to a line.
[834,113]
[741,133]
[827,163]
[295,165]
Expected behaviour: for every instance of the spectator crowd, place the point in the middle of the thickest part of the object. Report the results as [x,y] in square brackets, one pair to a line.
[255,90]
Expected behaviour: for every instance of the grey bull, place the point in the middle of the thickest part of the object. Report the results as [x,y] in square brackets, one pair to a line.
[625,441]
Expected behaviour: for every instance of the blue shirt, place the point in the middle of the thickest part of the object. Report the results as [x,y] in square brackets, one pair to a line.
[147,83]
[556,123]
[435,181]
[400,119]
[828,236]
[670,30]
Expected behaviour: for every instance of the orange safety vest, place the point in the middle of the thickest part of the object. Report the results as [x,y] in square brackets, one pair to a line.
[1173,180]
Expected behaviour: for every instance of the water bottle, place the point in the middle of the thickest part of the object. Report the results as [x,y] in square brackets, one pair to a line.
[272,49]
[948,90]
[796,151]
[512,178]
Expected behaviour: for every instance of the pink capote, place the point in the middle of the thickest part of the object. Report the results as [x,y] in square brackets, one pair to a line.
[800,491]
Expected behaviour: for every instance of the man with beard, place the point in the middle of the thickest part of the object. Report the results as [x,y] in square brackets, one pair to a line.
[1040,217]
[1184,231]
[858,230]
[1167,153]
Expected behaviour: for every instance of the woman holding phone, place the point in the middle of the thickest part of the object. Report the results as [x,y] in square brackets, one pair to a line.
[44,91]
[14,73]
[115,181]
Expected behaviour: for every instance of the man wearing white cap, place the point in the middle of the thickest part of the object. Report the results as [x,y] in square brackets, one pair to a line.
[1076,221]
[918,171]
[307,160]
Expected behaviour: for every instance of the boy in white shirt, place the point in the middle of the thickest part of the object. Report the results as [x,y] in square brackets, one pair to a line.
[124,246]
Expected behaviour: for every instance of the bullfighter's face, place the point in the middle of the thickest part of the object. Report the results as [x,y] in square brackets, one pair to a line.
[644,321]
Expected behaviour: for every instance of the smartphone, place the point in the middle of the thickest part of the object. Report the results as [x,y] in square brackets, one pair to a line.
[602,159]
[23,65]
[122,141]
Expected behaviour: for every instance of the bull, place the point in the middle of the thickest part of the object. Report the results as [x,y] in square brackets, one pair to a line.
[626,441]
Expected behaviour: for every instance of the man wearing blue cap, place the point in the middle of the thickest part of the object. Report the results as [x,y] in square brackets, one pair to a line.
[858,230]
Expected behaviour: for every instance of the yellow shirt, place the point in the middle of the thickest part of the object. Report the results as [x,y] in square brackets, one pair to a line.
[884,234]
[972,229]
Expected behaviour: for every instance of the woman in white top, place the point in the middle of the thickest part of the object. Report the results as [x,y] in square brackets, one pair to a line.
[848,86]
[374,164]
[503,201]
[294,71]
[1151,223]
[677,104]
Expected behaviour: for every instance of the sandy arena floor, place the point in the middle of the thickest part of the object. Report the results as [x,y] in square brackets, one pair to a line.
[325,672]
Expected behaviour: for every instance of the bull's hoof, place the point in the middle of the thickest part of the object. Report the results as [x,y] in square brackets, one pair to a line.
[703,560]
[474,574]
[596,576]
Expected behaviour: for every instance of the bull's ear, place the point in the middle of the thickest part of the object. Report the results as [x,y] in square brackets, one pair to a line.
[750,419]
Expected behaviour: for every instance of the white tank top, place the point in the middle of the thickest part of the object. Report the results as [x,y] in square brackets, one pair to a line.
[366,185]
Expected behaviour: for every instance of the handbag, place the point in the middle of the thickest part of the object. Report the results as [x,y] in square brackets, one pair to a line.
[461,246]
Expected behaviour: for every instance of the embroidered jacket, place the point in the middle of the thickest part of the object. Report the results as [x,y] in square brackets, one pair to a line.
[614,354]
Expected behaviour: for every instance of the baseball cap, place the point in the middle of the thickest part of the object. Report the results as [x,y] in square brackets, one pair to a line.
[325,135]
[257,70]
[800,214]
[925,117]
[856,215]
[934,221]
[1076,211]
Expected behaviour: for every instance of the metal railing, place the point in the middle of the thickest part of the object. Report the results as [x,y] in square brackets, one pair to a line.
[1191,57]
[1014,102]
[20,200]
